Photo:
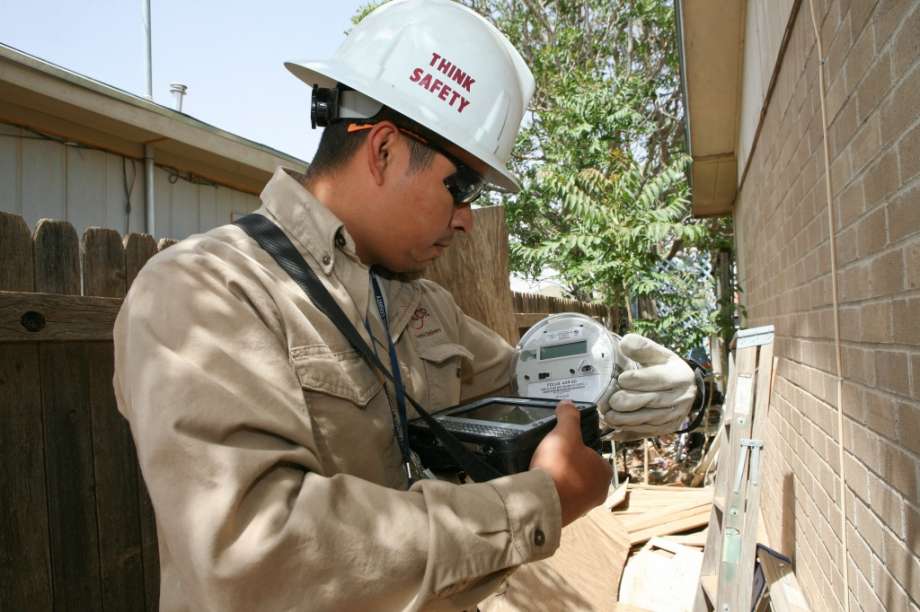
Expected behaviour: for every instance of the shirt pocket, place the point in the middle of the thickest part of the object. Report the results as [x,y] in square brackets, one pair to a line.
[350,415]
[344,375]
[444,366]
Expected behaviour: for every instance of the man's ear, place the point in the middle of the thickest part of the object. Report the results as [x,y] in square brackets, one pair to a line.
[379,149]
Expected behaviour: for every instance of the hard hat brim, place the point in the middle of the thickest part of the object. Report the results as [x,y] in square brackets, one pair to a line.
[329,73]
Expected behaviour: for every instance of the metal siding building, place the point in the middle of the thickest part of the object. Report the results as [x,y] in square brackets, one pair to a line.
[72,148]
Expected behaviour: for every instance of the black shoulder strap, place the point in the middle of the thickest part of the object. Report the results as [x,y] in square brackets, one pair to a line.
[272,239]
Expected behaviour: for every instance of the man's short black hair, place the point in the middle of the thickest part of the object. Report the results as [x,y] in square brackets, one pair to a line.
[337,145]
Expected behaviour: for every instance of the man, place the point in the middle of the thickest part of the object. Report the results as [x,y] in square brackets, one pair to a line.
[272,452]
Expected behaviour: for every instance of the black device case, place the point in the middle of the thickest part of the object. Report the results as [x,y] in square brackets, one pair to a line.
[509,450]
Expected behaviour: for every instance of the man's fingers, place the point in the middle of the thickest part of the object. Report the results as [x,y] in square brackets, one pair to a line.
[630,401]
[674,373]
[644,351]
[567,417]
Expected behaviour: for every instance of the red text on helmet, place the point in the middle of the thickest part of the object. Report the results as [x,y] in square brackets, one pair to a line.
[440,88]
[452,71]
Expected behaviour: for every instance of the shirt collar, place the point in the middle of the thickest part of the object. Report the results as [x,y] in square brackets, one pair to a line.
[314,229]
[316,232]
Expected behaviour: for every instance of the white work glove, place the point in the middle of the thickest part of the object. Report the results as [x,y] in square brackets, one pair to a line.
[653,399]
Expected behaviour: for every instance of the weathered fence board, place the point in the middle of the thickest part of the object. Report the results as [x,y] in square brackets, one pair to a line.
[57,258]
[16,268]
[117,499]
[138,249]
[25,562]
[42,317]
[103,263]
[68,432]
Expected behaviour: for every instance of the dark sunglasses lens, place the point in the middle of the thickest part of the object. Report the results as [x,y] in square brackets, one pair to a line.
[464,185]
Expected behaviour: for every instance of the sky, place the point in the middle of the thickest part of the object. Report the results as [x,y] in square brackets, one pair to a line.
[230,53]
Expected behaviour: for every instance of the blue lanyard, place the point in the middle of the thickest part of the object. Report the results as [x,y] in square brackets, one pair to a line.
[400,421]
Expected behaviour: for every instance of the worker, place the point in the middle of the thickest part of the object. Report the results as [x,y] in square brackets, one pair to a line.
[274,455]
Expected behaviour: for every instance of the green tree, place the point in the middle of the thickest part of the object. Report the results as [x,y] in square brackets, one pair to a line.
[605,199]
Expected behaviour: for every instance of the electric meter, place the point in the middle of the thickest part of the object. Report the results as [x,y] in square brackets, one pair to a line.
[569,356]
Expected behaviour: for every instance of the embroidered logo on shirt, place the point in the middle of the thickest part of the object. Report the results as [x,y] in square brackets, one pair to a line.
[418,318]
[419,321]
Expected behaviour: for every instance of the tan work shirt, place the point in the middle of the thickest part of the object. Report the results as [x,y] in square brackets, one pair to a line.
[268,445]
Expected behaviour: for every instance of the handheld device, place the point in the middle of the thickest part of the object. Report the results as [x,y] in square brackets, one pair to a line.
[503,431]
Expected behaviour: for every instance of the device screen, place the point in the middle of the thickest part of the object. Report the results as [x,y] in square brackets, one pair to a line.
[564,350]
[508,413]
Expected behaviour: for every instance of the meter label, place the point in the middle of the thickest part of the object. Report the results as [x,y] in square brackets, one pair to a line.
[582,388]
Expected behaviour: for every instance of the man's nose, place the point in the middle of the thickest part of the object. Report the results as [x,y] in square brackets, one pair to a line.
[462,219]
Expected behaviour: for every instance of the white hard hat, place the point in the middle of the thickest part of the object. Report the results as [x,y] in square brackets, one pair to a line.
[441,65]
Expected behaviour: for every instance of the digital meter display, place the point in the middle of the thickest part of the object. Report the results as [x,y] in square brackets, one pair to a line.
[508,413]
[564,350]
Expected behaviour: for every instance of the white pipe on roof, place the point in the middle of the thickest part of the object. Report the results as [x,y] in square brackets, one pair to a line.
[145,4]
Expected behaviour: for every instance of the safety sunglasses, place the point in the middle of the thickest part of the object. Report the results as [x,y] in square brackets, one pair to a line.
[465,185]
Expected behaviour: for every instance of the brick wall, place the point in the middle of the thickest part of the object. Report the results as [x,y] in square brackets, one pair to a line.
[873,79]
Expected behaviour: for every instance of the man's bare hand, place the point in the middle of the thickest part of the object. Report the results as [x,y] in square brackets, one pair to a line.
[581,476]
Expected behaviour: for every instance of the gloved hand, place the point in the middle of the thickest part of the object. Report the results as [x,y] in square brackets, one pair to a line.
[653,399]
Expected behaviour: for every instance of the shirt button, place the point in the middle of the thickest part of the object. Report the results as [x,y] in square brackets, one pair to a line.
[326,260]
[339,239]
[539,538]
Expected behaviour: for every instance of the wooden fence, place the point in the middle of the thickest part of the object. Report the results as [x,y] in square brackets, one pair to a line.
[530,308]
[77,527]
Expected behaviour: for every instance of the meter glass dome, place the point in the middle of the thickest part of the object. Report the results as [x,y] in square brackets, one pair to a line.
[568,356]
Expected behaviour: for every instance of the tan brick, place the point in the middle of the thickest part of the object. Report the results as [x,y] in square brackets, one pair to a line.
[860,57]
[843,127]
[869,526]
[888,505]
[876,322]
[888,17]
[847,245]
[899,110]
[909,426]
[863,444]
[912,516]
[868,601]
[840,175]
[886,274]
[915,375]
[866,144]
[853,285]
[858,365]
[857,477]
[881,414]
[912,264]
[899,469]
[859,16]
[904,213]
[906,320]
[909,154]
[906,45]
[904,566]
[881,180]
[887,589]
[873,232]
[850,204]
[891,371]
